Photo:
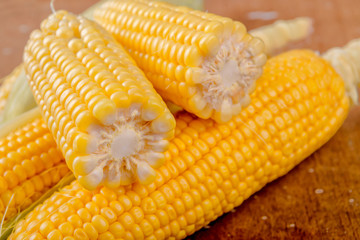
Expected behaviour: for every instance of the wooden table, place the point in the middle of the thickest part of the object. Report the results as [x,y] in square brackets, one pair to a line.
[319,199]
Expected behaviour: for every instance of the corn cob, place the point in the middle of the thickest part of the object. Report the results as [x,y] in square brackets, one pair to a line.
[30,163]
[298,104]
[280,33]
[106,118]
[205,63]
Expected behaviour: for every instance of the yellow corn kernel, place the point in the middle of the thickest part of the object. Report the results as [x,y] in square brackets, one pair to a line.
[205,182]
[106,236]
[90,231]
[100,223]
[103,113]
[80,234]
[66,229]
[55,234]
[221,60]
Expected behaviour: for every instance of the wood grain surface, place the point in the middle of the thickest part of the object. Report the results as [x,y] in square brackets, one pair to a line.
[319,199]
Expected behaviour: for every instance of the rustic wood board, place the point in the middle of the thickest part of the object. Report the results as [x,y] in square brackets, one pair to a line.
[319,199]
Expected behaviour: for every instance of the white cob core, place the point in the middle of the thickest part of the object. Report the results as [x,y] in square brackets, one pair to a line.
[229,73]
[125,143]
[120,150]
[229,76]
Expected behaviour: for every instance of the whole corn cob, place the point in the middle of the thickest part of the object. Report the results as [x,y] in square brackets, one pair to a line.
[205,63]
[30,163]
[105,116]
[298,104]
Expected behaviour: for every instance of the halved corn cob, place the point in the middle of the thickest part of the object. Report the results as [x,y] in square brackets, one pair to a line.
[298,104]
[105,116]
[30,163]
[205,63]
[275,36]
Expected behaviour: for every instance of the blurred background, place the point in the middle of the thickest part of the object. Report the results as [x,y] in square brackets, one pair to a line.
[320,198]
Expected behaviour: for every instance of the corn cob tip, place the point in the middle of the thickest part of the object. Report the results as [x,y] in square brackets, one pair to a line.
[107,119]
[346,62]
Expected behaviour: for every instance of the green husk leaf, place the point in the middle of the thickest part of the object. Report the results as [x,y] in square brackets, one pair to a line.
[20,99]
[19,121]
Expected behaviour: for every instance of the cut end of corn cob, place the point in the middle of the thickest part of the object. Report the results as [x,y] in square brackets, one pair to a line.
[346,62]
[122,153]
[205,63]
[106,117]
[226,79]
